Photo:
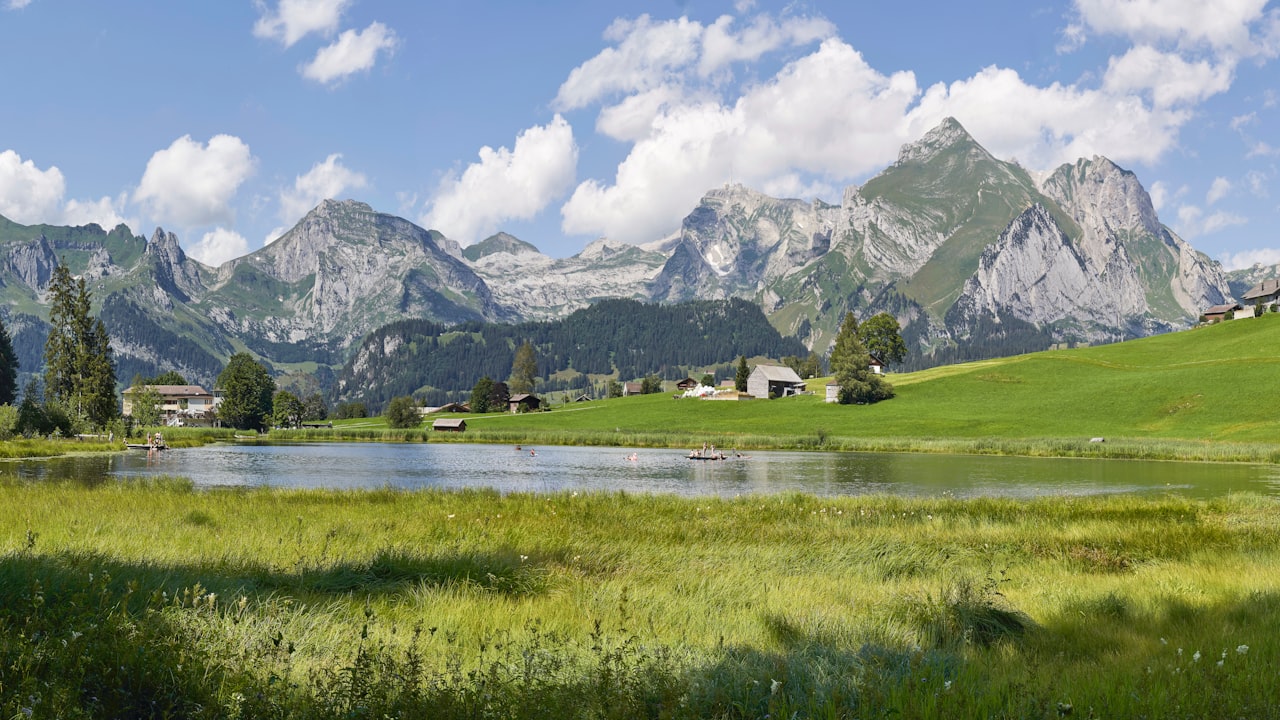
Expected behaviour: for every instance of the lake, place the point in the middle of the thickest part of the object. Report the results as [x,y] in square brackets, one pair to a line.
[555,469]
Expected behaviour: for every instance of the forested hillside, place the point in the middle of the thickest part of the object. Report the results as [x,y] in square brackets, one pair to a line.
[625,339]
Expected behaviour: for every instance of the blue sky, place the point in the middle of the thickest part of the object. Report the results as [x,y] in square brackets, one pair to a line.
[562,122]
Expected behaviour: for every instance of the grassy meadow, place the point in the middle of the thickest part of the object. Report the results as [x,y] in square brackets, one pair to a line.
[151,599]
[1192,395]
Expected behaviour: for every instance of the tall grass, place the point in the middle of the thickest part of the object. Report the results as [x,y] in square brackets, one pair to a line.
[269,603]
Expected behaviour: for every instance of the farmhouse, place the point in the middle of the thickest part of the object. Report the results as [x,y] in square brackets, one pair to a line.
[767,381]
[632,388]
[524,402]
[687,384]
[179,404]
[1266,292]
[449,425]
[1218,313]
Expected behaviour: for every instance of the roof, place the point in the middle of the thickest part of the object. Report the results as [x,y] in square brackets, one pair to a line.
[172,390]
[778,373]
[634,386]
[523,397]
[1220,309]
[449,423]
[1266,288]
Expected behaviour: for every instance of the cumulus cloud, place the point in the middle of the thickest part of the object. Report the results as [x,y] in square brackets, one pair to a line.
[219,246]
[1257,181]
[192,184]
[293,20]
[721,45]
[354,51]
[328,179]
[506,184]
[1225,26]
[28,194]
[1249,258]
[17,4]
[645,56]
[1217,190]
[106,212]
[1170,79]
[1159,193]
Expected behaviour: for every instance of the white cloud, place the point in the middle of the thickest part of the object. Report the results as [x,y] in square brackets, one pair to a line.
[721,46]
[104,211]
[1224,25]
[1257,183]
[295,19]
[29,195]
[1249,258]
[1159,193]
[192,184]
[1241,121]
[219,246]
[644,58]
[632,119]
[17,4]
[353,52]
[506,184]
[325,180]
[1262,148]
[1217,190]
[1192,222]
[1169,78]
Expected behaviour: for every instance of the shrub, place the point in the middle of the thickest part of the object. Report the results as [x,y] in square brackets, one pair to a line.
[402,412]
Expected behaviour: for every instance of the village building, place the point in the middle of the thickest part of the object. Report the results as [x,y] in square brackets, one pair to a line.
[687,384]
[875,364]
[769,381]
[632,388]
[1266,293]
[1218,313]
[833,392]
[180,405]
[449,425]
[524,402]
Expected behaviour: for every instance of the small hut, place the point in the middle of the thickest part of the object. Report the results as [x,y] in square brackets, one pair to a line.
[524,402]
[449,425]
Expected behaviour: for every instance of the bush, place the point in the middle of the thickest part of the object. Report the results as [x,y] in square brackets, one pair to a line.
[349,410]
[402,412]
[8,421]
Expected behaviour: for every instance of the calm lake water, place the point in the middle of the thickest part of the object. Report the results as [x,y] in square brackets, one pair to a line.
[554,469]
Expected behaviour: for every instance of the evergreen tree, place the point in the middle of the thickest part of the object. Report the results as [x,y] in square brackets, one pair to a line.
[247,392]
[402,412]
[480,395]
[882,336]
[740,378]
[850,365]
[8,368]
[524,370]
[708,380]
[614,390]
[79,372]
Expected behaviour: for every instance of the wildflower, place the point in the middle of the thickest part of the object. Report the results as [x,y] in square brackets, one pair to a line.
[450,516]
[1196,657]
[1179,652]
[76,635]
[946,684]
[523,558]
[1220,662]
[1242,649]
[774,686]
[1163,641]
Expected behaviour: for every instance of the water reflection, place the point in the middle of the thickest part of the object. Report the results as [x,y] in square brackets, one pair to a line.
[554,469]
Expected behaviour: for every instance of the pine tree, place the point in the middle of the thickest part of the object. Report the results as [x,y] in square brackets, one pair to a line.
[524,370]
[79,373]
[740,379]
[8,368]
[850,365]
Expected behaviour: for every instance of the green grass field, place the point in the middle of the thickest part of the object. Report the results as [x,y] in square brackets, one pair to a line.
[153,600]
[1198,394]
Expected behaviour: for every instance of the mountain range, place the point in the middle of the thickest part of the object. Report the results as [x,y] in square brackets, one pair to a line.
[974,255]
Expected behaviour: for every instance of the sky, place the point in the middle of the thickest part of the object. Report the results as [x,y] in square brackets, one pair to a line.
[565,121]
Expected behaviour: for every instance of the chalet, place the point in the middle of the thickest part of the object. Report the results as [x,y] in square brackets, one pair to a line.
[454,407]
[449,425]
[875,365]
[687,384]
[524,402]
[768,381]
[1218,313]
[582,398]
[632,388]
[179,404]
[1266,292]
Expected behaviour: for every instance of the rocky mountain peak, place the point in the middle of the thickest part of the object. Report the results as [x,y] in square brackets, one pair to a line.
[499,243]
[948,134]
[174,271]
[1102,197]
